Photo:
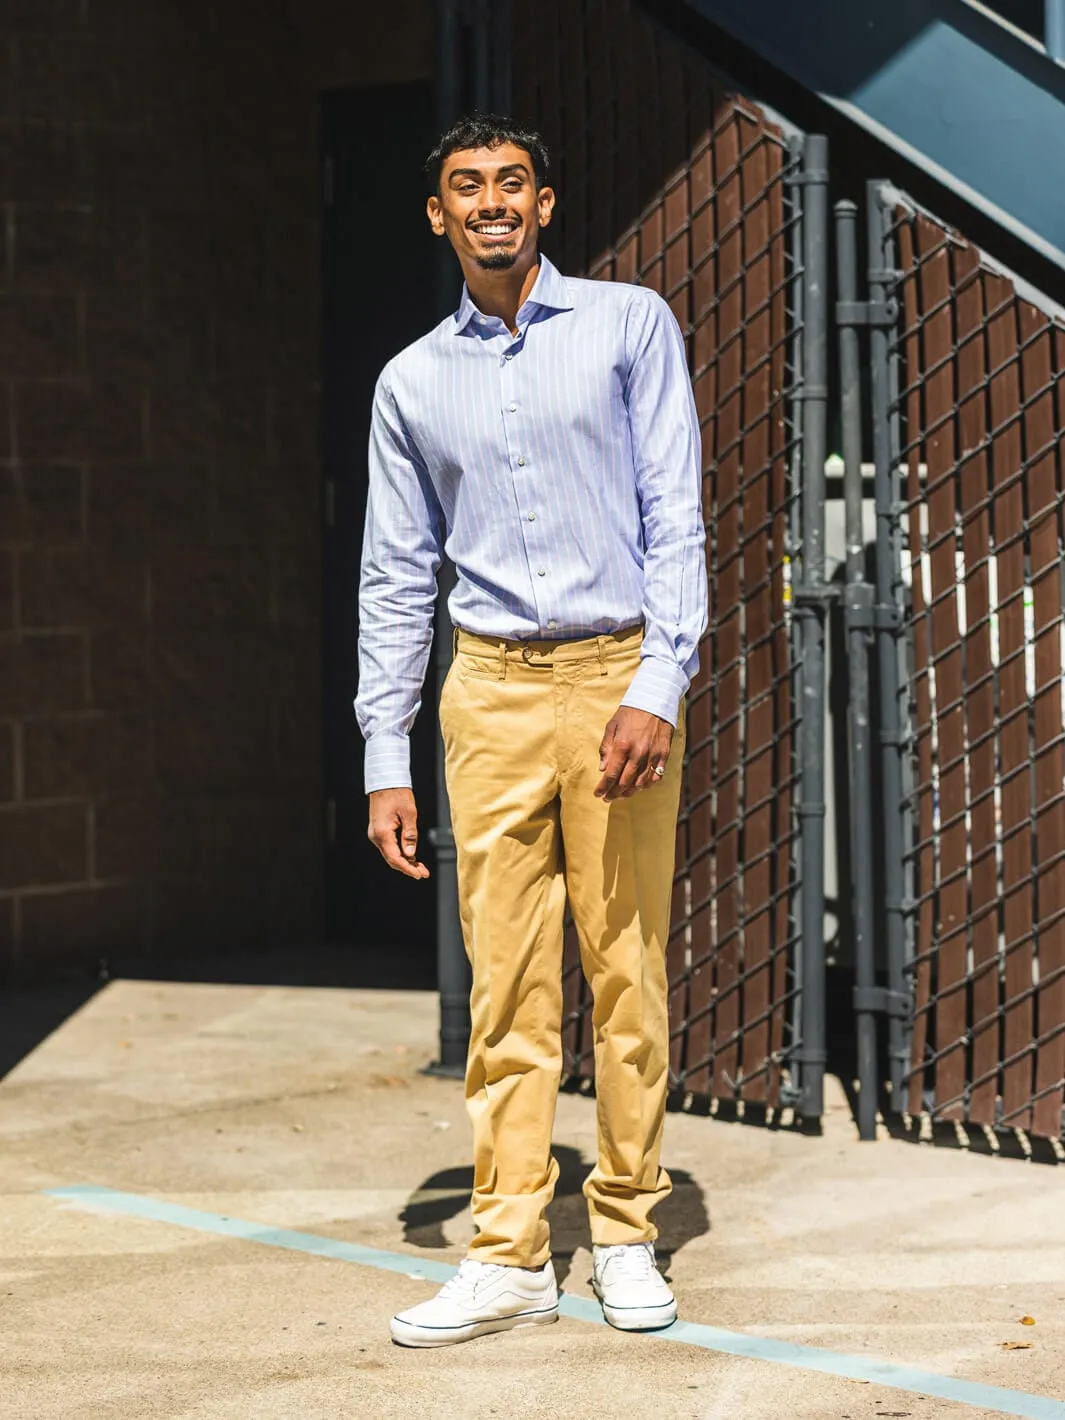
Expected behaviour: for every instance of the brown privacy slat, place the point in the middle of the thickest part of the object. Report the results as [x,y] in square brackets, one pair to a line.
[939,448]
[728,769]
[925,862]
[973,498]
[1043,486]
[758,616]
[702,717]
[1014,744]
[780,881]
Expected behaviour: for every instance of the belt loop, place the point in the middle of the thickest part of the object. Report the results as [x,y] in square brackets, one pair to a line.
[502,660]
[600,642]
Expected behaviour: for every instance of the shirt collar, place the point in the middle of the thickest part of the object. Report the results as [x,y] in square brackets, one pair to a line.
[549,291]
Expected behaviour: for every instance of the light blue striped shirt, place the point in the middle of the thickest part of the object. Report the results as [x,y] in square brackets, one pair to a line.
[559,469]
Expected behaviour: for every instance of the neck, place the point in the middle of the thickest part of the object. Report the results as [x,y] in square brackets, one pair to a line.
[502,293]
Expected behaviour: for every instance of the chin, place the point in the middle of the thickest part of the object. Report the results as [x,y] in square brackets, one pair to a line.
[497,260]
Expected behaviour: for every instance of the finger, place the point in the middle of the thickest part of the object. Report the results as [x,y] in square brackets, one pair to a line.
[386,841]
[410,868]
[624,782]
[407,834]
[649,778]
[612,769]
[630,775]
[607,741]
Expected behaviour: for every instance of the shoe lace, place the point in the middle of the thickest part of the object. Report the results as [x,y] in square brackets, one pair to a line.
[635,1262]
[463,1286]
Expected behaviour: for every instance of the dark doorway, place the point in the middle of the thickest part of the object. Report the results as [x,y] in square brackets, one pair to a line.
[379,294]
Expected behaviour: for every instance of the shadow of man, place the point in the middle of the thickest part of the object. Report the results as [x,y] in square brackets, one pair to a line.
[444,1195]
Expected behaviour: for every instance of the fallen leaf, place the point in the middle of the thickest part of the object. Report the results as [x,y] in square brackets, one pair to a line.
[1027,1320]
[1016,1346]
[297,1128]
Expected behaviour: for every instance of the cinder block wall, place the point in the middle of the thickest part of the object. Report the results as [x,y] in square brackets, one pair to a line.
[159,469]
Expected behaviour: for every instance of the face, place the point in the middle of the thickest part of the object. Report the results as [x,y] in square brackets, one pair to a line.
[488,207]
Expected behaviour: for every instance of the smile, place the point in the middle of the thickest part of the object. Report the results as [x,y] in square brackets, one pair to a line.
[496,231]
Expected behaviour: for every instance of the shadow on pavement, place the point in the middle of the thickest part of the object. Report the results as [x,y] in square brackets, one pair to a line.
[680,1217]
[31,1012]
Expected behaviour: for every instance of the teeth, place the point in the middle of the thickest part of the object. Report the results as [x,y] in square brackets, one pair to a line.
[496,231]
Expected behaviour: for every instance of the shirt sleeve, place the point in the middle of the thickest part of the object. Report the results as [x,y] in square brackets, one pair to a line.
[667,453]
[401,554]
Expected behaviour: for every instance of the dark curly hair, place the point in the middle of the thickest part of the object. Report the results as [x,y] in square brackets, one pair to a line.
[487,130]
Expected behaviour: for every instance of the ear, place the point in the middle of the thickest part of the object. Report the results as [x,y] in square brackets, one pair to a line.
[545,205]
[434,210]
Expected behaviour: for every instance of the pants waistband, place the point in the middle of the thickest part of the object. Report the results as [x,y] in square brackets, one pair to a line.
[547,652]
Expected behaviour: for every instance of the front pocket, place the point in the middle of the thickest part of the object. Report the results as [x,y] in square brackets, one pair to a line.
[476,668]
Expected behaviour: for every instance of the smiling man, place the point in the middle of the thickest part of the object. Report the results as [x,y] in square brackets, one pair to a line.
[545,438]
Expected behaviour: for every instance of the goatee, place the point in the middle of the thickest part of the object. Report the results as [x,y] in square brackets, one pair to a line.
[497,260]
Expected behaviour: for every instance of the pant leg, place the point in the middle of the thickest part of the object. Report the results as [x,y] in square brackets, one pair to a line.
[619,872]
[499,738]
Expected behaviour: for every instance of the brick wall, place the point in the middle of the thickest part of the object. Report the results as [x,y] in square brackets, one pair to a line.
[159,470]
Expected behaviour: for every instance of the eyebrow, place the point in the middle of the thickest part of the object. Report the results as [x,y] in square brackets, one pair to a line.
[508,171]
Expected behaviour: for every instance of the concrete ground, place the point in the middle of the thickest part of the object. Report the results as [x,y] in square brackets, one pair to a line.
[304,1108]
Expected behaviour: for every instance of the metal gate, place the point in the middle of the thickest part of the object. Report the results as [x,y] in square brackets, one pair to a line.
[968,376]
[694,192]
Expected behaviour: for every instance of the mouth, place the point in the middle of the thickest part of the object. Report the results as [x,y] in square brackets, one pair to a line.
[500,231]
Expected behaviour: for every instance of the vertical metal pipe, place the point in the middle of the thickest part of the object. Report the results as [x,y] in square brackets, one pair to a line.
[452,966]
[1054,29]
[812,1052]
[858,610]
[796,251]
[887,585]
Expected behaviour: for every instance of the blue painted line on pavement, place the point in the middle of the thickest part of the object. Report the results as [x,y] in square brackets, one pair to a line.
[708,1338]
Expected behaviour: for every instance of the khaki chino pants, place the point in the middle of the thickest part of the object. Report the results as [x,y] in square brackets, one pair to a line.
[522,725]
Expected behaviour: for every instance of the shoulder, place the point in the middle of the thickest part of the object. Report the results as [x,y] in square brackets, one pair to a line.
[406,369]
[621,297]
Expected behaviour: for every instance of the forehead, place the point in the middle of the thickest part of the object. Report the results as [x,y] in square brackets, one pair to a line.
[487,160]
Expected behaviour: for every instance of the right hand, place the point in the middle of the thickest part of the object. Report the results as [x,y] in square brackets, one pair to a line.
[394,830]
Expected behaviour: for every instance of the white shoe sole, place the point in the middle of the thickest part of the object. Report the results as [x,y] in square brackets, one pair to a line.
[405,1333]
[638,1318]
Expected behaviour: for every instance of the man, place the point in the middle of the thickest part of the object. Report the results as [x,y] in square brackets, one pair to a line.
[545,438]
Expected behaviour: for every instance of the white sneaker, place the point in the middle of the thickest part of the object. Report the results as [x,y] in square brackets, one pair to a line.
[481,1297]
[634,1294]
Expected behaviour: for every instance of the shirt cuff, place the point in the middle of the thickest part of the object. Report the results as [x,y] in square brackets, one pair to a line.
[387,764]
[657,688]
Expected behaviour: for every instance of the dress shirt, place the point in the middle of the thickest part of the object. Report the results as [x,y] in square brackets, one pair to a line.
[560,471]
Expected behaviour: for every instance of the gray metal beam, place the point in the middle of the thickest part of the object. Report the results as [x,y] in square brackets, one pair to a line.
[972,100]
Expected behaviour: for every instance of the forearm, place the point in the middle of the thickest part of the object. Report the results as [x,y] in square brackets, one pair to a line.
[675,618]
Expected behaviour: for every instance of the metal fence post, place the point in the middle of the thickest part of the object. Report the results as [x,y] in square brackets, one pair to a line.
[859,621]
[1054,29]
[882,279]
[811,597]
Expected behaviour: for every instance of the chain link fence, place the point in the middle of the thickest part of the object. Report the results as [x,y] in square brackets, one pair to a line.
[690,190]
[976,374]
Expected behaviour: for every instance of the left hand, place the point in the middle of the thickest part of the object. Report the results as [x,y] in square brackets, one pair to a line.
[635,743]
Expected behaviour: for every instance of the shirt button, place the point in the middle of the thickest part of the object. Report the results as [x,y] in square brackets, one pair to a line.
[508,357]
[551,625]
[512,407]
[532,517]
[541,571]
[521,463]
